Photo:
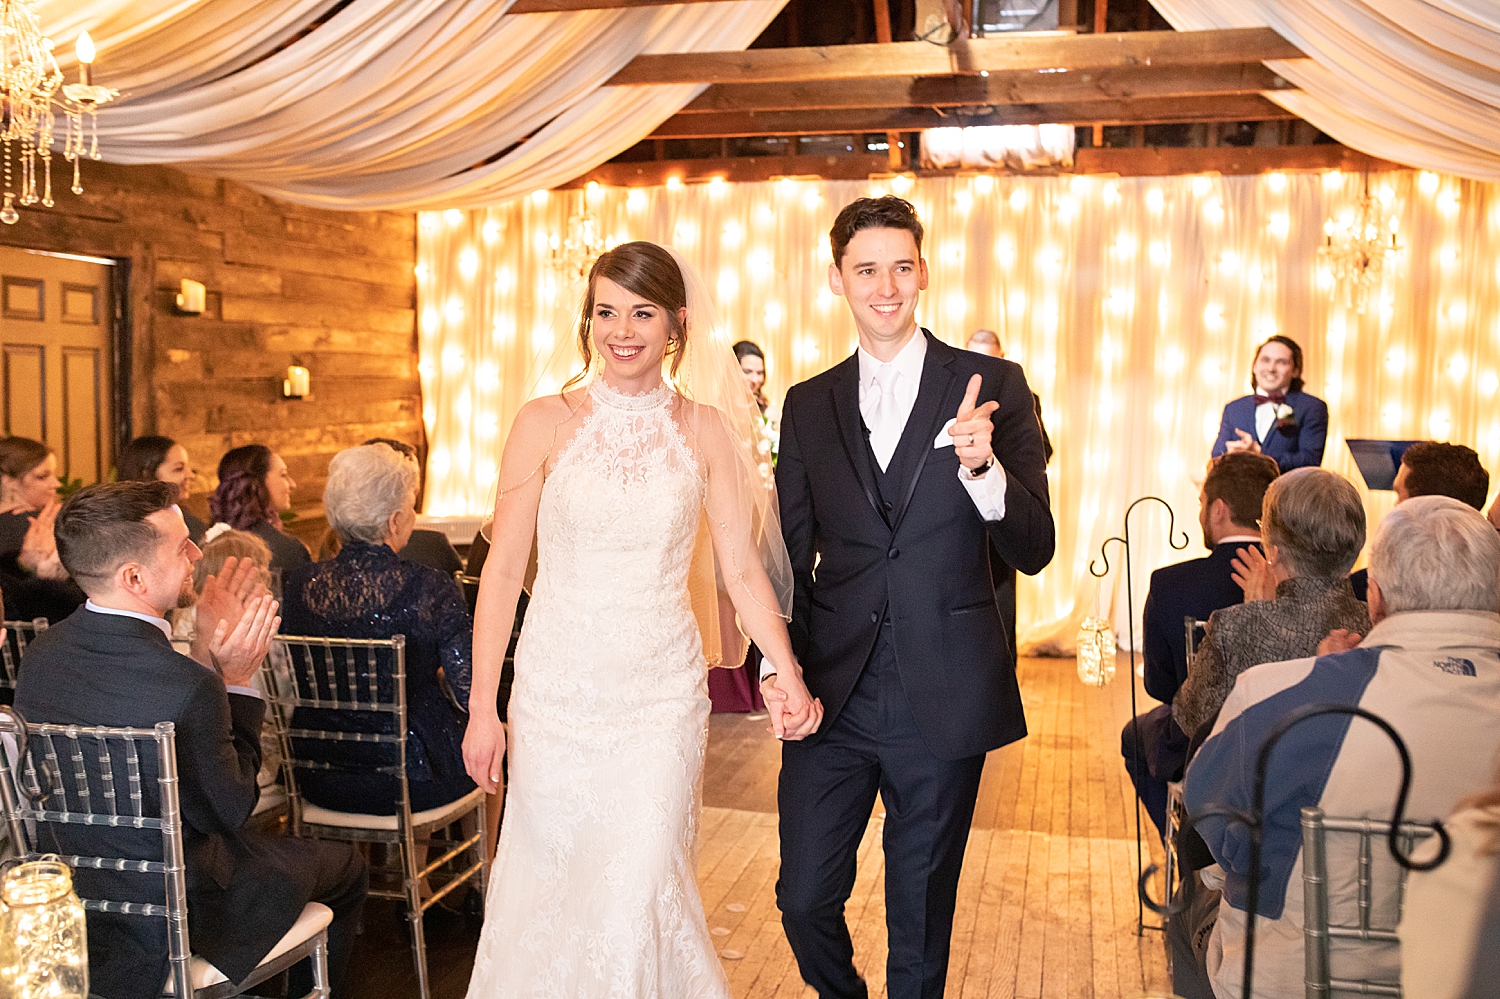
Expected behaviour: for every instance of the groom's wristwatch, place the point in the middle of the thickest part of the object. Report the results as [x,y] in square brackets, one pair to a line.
[978,473]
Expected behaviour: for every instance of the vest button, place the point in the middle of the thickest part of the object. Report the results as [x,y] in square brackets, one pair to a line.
[874,618]
[894,553]
[889,506]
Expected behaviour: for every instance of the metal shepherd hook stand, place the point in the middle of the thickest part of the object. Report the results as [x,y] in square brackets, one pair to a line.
[1254,821]
[1124,541]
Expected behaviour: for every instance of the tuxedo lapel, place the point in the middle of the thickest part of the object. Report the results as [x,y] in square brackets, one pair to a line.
[927,417]
[851,429]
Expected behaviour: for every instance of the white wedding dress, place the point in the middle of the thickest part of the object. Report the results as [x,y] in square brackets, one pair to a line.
[594,891]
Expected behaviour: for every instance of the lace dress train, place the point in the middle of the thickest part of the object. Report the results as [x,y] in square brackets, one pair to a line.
[594,890]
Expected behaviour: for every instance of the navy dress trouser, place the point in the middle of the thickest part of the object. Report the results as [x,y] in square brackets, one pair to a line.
[825,795]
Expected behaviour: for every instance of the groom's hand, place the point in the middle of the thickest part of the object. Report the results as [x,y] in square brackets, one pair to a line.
[795,713]
[972,428]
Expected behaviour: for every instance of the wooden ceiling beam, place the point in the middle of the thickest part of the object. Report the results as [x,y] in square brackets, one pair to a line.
[1146,111]
[967,56]
[564,6]
[1023,87]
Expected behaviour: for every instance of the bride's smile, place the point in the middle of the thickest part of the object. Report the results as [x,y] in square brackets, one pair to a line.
[632,335]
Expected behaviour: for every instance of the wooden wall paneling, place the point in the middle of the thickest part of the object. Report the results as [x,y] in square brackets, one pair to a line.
[25,390]
[83,408]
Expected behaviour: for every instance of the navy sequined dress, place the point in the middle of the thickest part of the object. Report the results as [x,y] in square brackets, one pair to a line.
[368,592]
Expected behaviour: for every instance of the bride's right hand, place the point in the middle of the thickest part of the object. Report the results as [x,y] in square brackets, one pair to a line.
[484,751]
[795,713]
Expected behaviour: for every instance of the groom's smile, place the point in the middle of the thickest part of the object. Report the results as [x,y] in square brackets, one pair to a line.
[881,276]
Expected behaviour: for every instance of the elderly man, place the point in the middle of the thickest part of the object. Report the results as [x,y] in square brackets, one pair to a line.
[1229,506]
[1430,668]
[111,663]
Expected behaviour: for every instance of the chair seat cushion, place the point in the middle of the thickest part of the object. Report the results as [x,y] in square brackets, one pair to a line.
[315,918]
[442,815]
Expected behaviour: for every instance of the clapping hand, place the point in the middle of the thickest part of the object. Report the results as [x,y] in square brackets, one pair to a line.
[1253,574]
[236,653]
[795,713]
[971,429]
[1245,443]
[39,547]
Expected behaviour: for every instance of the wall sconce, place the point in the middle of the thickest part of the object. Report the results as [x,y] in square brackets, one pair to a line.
[193,298]
[298,382]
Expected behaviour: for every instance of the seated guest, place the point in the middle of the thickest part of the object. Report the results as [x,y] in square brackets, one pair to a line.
[1450,916]
[1429,468]
[254,490]
[1229,504]
[36,584]
[1313,524]
[111,663]
[161,459]
[429,548]
[1277,418]
[1430,668]
[368,592]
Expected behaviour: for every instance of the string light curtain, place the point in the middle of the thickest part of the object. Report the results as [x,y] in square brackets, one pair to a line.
[1135,305]
[386,104]
[1412,81]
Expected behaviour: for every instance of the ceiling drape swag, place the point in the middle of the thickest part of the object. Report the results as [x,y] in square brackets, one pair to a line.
[1413,81]
[386,104]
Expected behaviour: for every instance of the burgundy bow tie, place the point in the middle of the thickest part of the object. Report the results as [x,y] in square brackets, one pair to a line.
[1275,398]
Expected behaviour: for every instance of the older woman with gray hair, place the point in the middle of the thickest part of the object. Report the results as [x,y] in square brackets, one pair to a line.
[1313,525]
[368,592]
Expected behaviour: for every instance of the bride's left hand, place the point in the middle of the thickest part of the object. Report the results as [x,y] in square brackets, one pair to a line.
[795,713]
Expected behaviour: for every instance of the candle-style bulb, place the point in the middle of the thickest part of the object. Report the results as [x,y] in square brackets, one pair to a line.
[85,48]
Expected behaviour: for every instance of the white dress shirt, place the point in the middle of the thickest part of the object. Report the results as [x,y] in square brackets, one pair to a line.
[1265,416]
[166,629]
[987,493]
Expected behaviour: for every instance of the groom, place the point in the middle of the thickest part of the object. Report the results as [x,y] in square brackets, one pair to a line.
[897,467]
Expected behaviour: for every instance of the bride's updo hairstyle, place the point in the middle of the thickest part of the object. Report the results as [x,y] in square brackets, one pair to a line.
[644,269]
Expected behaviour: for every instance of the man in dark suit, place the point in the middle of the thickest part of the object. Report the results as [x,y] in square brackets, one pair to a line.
[1278,418]
[1154,747]
[111,663]
[1431,468]
[896,469]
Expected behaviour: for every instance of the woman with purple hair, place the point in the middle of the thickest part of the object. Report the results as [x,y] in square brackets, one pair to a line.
[254,488]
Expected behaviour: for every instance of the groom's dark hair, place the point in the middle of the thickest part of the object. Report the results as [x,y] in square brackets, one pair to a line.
[889,212]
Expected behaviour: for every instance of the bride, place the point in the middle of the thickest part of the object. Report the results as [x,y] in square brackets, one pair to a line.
[649,515]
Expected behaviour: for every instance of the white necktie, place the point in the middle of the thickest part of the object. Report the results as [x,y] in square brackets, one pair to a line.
[885,416]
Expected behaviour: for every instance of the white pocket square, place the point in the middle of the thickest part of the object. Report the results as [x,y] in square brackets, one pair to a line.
[942,439]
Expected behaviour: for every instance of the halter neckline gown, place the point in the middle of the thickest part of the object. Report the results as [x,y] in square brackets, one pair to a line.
[594,890]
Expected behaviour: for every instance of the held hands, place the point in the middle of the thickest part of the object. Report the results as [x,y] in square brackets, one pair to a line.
[1245,443]
[484,750]
[971,429]
[1253,574]
[795,713]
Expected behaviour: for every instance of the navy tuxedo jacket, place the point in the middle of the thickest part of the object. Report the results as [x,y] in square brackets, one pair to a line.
[924,563]
[1294,447]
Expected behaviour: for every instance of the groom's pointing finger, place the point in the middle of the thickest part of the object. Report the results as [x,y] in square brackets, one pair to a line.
[971,396]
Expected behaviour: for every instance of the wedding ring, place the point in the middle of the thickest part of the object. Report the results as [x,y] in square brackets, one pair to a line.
[971,440]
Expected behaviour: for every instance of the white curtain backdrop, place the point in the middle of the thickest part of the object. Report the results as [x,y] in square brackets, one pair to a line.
[393,104]
[1414,81]
[1134,304]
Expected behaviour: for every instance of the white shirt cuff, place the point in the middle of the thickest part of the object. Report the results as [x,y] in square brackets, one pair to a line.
[987,493]
[766,669]
[244,691]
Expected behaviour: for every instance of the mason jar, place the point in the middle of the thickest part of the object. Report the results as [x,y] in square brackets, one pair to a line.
[43,944]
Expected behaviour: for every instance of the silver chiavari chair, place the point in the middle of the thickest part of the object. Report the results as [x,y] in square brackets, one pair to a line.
[361,678]
[18,634]
[79,785]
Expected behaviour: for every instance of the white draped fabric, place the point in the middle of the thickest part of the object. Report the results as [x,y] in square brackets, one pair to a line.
[1414,81]
[1135,305]
[390,104]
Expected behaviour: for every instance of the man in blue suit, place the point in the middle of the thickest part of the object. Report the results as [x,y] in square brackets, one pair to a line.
[1155,749]
[1278,419]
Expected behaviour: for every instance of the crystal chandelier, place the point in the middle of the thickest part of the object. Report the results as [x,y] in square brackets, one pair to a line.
[29,82]
[574,252]
[1356,247]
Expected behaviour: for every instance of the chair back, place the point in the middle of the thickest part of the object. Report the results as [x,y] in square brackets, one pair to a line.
[57,780]
[312,681]
[1191,628]
[1374,923]
[17,635]
[470,587]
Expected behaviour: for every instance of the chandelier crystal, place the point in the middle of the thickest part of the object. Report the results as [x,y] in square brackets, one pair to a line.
[1356,247]
[574,252]
[29,100]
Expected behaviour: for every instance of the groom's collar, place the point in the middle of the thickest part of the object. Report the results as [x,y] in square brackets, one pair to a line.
[908,360]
